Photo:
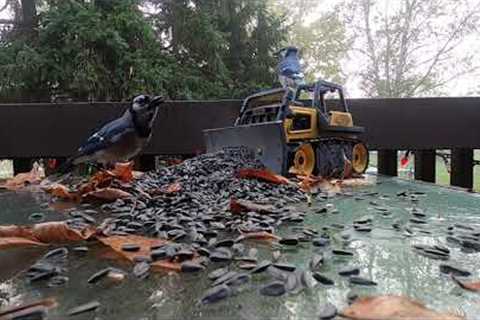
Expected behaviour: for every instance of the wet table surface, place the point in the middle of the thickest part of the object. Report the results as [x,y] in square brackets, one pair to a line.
[384,255]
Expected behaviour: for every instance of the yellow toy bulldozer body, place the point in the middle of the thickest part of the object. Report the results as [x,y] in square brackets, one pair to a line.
[291,136]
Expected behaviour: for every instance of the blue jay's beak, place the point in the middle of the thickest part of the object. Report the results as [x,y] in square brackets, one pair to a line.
[156,101]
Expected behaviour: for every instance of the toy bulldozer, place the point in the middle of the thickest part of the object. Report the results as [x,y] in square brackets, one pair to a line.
[293,137]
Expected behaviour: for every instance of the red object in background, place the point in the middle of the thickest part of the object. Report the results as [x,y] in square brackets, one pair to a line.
[405,159]
[52,163]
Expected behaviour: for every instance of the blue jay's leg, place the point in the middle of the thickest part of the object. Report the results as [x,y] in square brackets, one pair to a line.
[286,111]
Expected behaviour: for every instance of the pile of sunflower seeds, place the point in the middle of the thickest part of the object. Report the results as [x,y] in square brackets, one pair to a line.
[199,210]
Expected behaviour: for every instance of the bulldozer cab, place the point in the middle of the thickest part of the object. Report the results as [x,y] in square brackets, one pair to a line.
[326,118]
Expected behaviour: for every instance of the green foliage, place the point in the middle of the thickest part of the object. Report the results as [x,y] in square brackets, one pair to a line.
[321,36]
[230,43]
[110,50]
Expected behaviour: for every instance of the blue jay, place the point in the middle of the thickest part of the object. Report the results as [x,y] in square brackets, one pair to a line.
[122,138]
[289,69]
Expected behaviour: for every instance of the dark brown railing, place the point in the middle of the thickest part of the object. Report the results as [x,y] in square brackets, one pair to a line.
[420,124]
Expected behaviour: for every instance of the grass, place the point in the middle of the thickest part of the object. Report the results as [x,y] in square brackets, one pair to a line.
[442,175]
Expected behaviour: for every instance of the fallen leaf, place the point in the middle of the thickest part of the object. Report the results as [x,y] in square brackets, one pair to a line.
[313,184]
[353,182]
[261,235]
[106,194]
[22,311]
[392,308]
[123,171]
[238,206]
[174,188]
[116,243]
[59,232]
[100,179]
[471,286]
[60,191]
[42,234]
[14,242]
[263,175]
[21,180]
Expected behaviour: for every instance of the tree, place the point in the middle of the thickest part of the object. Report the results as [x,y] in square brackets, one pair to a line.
[110,50]
[409,48]
[321,36]
[232,44]
[85,50]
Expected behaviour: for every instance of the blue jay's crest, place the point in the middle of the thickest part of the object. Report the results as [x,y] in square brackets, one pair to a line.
[289,69]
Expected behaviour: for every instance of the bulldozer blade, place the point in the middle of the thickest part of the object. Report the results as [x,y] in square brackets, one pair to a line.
[266,140]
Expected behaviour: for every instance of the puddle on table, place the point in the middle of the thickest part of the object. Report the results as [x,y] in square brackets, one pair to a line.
[384,255]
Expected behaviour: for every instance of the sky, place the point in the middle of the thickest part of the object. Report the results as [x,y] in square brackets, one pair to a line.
[466,85]
[463,86]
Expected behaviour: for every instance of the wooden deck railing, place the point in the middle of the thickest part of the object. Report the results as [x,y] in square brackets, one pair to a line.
[419,124]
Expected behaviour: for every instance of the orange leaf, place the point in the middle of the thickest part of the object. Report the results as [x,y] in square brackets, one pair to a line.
[35,176]
[59,232]
[392,308]
[354,182]
[314,184]
[174,188]
[42,234]
[471,286]
[239,206]
[60,191]
[116,243]
[263,175]
[101,179]
[106,194]
[261,235]
[123,171]
[14,242]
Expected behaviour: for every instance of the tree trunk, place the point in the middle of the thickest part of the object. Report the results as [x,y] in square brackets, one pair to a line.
[29,16]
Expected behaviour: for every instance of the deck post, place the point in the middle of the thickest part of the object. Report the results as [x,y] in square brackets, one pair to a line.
[425,163]
[462,168]
[387,162]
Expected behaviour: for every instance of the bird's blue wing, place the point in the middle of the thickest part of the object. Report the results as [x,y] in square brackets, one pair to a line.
[103,138]
[289,66]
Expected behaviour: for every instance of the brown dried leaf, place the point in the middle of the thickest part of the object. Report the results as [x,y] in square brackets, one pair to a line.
[315,184]
[123,171]
[238,206]
[263,175]
[41,234]
[15,242]
[174,188]
[59,232]
[21,180]
[106,194]
[116,243]
[261,235]
[61,191]
[393,308]
[353,182]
